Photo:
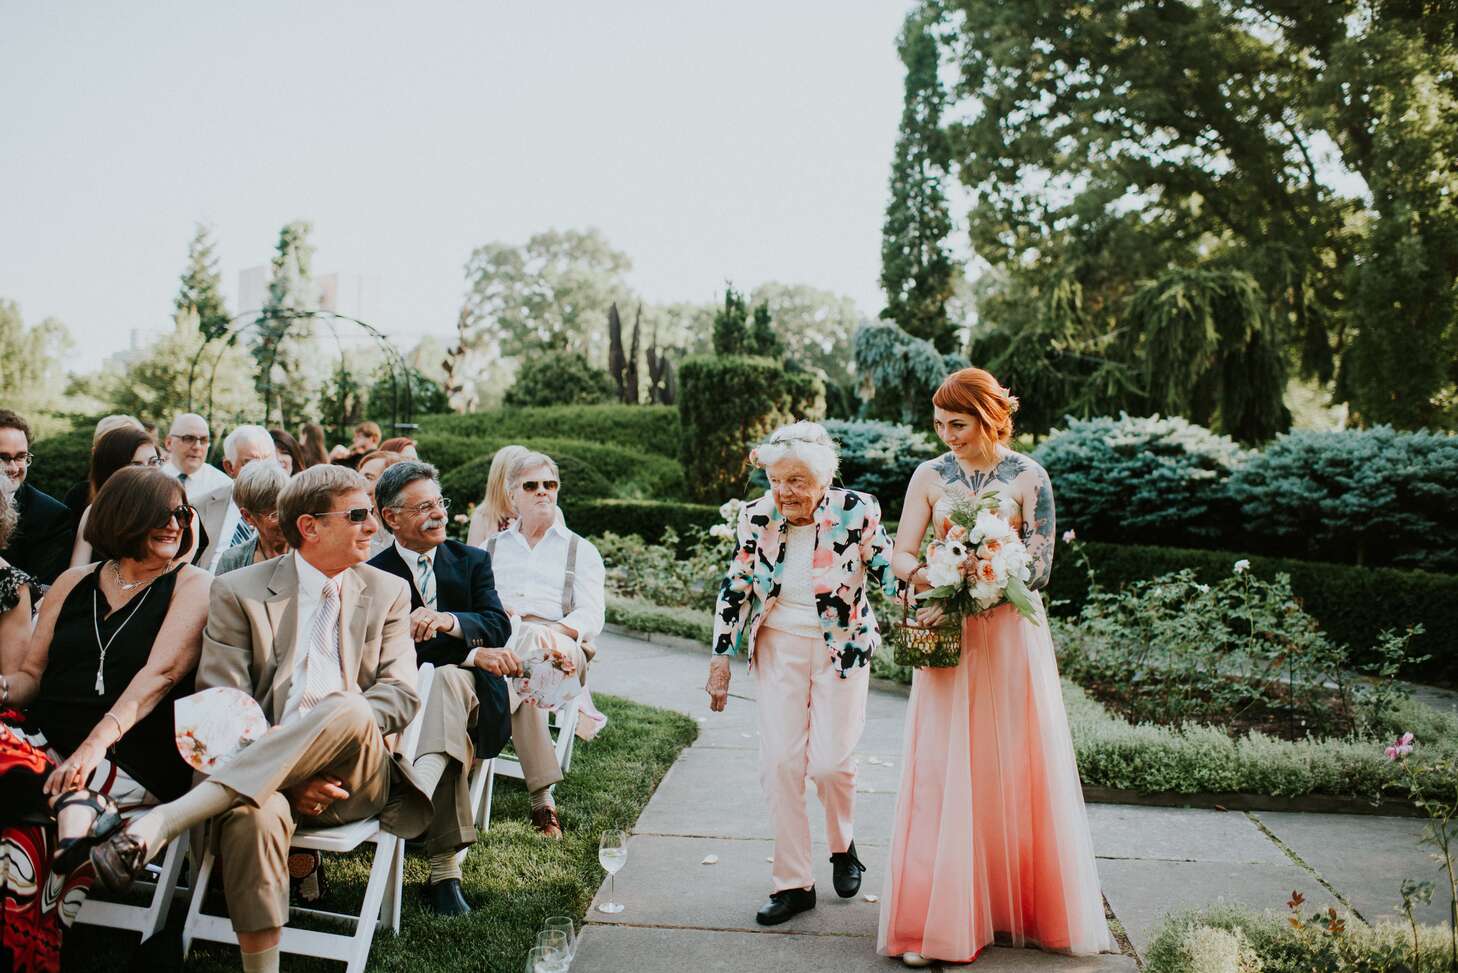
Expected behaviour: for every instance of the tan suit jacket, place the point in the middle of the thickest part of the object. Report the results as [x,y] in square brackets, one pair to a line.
[249,644]
[212,510]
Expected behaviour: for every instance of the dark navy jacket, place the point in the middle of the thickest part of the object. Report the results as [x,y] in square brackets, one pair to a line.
[466,588]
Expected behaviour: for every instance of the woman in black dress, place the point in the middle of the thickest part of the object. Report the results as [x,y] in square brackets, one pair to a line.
[116,642]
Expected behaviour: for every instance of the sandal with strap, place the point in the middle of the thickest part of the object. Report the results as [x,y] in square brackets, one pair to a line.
[71,852]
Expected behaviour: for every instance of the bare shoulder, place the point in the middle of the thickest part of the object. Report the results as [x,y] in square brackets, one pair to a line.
[67,580]
[192,579]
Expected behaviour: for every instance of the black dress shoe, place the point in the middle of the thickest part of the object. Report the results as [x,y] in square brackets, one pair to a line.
[783,906]
[445,898]
[847,871]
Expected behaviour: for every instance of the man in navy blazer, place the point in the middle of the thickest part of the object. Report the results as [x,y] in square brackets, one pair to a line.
[460,627]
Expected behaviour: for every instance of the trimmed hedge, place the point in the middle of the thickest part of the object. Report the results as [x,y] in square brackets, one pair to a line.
[64,460]
[646,518]
[645,616]
[628,472]
[1352,604]
[466,484]
[727,403]
[652,428]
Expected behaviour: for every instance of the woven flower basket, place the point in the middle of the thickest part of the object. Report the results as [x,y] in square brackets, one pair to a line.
[923,647]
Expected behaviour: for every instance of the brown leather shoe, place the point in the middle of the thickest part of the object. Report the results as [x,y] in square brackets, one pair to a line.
[544,819]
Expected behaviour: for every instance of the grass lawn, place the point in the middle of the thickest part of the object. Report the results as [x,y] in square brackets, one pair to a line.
[513,878]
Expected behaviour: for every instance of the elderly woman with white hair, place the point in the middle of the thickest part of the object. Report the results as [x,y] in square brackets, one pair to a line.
[795,601]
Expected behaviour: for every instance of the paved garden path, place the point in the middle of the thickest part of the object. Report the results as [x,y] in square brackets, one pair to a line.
[683,915]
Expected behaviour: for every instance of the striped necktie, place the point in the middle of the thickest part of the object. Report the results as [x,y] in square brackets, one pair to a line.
[425,581]
[323,674]
[241,533]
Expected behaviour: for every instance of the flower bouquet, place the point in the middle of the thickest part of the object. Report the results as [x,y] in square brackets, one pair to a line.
[980,562]
[550,679]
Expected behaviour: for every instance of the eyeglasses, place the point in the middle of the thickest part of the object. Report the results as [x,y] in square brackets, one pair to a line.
[182,514]
[19,459]
[154,461]
[530,486]
[356,515]
[193,440]
[271,516]
[422,509]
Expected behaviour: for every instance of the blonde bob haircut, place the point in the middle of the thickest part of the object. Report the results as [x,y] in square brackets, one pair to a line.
[804,442]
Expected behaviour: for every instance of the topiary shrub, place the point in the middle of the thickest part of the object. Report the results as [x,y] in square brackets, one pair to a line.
[646,518]
[63,460]
[1372,496]
[879,457]
[560,378]
[447,452]
[1141,480]
[727,403]
[649,428]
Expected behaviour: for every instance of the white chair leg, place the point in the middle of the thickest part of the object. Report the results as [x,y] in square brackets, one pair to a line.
[194,903]
[156,916]
[374,901]
[395,888]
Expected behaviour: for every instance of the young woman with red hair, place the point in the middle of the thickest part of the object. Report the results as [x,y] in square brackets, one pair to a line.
[990,838]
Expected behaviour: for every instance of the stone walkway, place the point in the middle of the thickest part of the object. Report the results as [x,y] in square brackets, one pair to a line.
[683,915]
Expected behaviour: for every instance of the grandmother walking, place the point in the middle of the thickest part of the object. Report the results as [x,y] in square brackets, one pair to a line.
[795,601]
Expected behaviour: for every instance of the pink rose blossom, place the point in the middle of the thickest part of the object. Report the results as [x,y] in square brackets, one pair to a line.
[1401,747]
[1069,537]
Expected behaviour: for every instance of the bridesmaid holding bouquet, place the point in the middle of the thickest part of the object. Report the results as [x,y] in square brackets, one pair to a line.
[990,841]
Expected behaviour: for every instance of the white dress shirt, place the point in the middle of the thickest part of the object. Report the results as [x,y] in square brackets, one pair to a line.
[412,564]
[230,524]
[311,589]
[530,579]
[207,479]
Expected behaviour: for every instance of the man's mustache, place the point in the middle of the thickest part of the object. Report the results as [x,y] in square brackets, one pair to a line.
[434,522]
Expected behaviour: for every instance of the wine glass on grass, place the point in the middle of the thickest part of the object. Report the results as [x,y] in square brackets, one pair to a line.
[612,854]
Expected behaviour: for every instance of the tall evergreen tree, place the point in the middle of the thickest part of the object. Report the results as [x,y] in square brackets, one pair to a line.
[916,270]
[290,288]
[200,292]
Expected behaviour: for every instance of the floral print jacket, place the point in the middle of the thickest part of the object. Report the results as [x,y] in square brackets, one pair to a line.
[850,547]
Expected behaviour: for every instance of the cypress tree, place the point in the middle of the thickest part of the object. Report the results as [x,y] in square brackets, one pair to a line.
[200,290]
[916,269]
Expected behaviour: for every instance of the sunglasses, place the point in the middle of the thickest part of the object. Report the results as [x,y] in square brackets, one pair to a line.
[182,514]
[530,486]
[356,515]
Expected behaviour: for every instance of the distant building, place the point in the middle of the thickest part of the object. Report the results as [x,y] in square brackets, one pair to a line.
[138,343]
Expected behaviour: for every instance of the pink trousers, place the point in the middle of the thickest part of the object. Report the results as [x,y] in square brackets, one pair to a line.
[810,720]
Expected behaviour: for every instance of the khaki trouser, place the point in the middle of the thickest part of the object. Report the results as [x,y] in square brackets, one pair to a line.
[448,726]
[529,735]
[339,737]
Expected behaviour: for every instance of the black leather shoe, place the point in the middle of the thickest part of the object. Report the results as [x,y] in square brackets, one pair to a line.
[783,906]
[847,871]
[445,898]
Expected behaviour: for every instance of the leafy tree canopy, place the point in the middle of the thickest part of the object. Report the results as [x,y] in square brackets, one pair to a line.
[1308,145]
[30,359]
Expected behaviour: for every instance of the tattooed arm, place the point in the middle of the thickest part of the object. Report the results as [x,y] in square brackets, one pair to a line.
[1039,528]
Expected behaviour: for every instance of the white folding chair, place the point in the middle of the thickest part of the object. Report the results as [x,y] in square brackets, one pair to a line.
[564,722]
[145,919]
[382,893]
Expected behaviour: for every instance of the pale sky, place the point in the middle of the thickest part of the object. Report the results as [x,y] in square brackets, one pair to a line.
[749,141]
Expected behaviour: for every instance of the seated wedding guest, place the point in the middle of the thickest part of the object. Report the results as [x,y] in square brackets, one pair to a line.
[78,498]
[223,523]
[40,545]
[256,493]
[286,449]
[114,646]
[17,589]
[118,449]
[403,445]
[187,452]
[366,440]
[548,575]
[322,641]
[311,445]
[495,511]
[458,625]
[371,466]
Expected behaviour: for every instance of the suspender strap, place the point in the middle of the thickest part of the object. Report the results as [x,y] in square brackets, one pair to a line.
[569,597]
[569,600]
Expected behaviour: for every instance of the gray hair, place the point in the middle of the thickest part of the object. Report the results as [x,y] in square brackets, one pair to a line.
[525,464]
[394,480]
[313,492]
[804,442]
[257,487]
[252,435]
[9,513]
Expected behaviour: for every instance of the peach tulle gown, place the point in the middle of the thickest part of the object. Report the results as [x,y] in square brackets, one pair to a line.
[990,837]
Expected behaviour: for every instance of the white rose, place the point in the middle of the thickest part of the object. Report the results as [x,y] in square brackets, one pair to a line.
[990,525]
[1242,566]
[722,531]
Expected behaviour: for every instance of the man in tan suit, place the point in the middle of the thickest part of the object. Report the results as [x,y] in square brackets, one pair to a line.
[323,642]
